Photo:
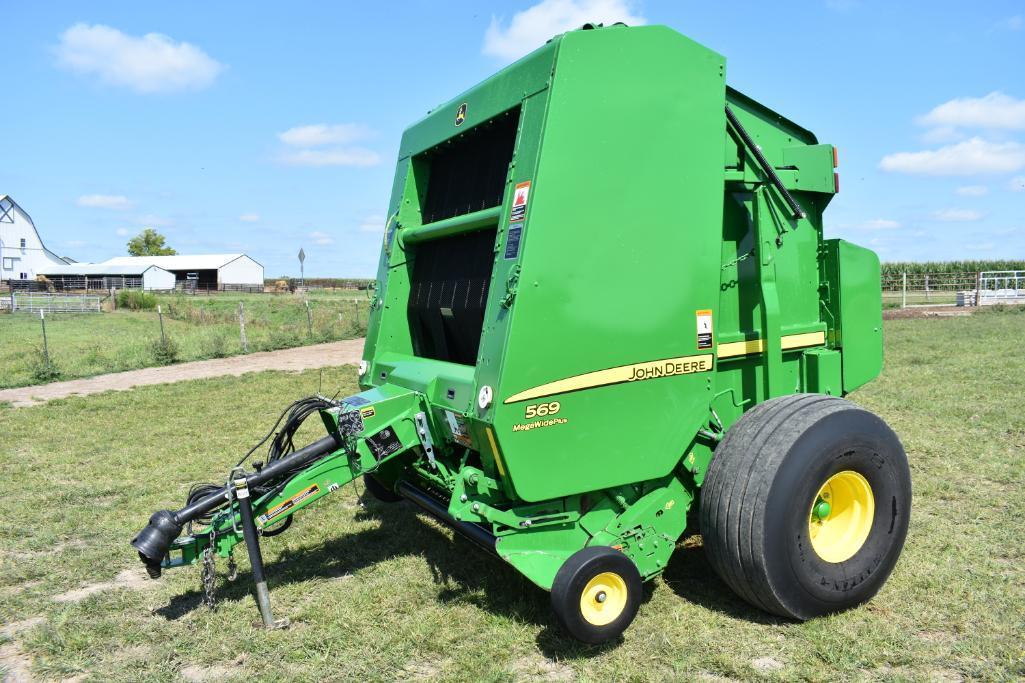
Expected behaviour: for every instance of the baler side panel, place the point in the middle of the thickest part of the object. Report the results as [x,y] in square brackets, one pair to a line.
[388,330]
[616,263]
[805,168]
[861,314]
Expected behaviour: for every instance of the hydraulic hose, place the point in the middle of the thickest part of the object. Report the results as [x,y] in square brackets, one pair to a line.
[165,526]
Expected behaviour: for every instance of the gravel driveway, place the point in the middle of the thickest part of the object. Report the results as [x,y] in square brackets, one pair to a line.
[345,352]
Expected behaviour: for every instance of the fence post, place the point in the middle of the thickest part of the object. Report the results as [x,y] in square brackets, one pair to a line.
[904,290]
[978,288]
[12,297]
[113,299]
[242,327]
[309,317]
[160,314]
[46,346]
[927,287]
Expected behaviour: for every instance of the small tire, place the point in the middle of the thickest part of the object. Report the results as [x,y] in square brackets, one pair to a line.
[379,491]
[596,594]
[805,506]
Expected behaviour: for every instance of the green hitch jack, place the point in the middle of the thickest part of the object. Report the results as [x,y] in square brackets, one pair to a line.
[252,540]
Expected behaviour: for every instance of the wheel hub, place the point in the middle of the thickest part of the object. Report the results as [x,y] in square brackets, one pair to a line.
[603,599]
[841,516]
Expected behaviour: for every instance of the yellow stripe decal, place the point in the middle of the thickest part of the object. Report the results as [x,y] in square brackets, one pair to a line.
[494,449]
[683,365]
[790,341]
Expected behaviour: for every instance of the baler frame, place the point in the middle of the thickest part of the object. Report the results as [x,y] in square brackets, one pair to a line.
[474,409]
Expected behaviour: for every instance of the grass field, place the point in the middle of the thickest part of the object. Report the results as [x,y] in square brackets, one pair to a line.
[383,594]
[199,327]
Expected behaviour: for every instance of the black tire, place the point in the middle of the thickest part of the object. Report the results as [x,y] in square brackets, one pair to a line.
[379,491]
[574,580]
[761,493]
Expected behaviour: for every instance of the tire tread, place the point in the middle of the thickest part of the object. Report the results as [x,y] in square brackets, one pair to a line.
[737,484]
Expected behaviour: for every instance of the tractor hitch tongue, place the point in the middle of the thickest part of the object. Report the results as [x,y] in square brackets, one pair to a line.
[604,299]
[244,508]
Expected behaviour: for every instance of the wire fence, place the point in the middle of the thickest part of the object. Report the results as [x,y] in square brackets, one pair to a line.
[980,288]
[141,330]
[32,302]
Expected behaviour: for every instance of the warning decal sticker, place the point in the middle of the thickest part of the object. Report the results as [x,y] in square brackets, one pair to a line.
[519,203]
[704,319]
[284,507]
[512,241]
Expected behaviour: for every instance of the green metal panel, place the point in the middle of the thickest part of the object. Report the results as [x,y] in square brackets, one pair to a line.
[861,315]
[603,283]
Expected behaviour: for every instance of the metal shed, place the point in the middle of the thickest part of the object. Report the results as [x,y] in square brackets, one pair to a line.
[203,271]
[105,276]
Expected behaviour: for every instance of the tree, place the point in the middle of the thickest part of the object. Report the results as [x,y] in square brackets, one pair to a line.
[149,242]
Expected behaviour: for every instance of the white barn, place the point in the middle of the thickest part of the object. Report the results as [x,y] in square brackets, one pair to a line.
[205,271]
[23,255]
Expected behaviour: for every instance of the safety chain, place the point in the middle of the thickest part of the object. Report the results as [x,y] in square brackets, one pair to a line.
[737,260]
[209,572]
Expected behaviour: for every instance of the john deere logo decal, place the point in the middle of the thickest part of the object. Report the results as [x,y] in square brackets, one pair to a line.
[461,114]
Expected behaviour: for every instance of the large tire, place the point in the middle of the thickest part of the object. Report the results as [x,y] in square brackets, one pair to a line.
[805,506]
[596,594]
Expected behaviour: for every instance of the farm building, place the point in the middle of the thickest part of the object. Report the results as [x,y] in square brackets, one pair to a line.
[22,253]
[102,276]
[204,271]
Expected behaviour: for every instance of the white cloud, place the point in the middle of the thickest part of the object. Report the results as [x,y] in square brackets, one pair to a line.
[354,156]
[117,202]
[957,215]
[971,157]
[324,134]
[1004,232]
[1017,184]
[879,224]
[533,26]
[995,110]
[249,217]
[1015,23]
[373,223]
[75,243]
[321,238]
[123,232]
[973,191]
[148,64]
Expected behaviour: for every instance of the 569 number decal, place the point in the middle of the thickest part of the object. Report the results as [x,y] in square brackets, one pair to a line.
[541,410]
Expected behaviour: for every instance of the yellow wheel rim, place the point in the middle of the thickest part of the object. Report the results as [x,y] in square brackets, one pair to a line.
[603,599]
[841,516]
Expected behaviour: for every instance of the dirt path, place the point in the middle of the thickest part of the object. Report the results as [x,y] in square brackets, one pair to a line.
[293,360]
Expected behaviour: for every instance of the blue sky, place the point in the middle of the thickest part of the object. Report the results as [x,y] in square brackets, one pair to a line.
[264,127]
